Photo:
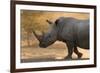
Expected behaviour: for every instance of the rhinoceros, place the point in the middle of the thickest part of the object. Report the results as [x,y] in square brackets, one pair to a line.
[73,32]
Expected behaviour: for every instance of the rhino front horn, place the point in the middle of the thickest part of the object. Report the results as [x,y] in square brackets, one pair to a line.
[39,37]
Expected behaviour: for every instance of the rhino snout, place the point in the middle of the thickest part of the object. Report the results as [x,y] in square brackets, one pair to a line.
[42,45]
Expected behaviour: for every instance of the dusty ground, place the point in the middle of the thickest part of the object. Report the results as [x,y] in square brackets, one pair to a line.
[57,51]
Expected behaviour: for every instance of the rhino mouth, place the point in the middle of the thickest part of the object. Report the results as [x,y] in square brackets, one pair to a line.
[42,46]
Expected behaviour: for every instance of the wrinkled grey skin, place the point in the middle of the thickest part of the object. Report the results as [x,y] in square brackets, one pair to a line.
[73,32]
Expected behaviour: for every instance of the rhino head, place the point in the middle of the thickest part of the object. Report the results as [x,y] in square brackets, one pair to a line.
[48,38]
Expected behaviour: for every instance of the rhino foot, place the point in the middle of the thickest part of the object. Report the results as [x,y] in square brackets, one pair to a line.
[68,58]
[79,55]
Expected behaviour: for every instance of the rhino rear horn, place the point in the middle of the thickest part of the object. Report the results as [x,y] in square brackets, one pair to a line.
[39,37]
[50,22]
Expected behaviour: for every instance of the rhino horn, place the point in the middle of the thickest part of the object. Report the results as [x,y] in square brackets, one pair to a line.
[50,22]
[39,37]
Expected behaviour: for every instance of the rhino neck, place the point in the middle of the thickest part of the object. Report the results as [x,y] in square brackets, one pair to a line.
[59,31]
[59,37]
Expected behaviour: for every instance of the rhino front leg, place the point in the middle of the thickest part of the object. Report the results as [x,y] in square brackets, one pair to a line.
[70,46]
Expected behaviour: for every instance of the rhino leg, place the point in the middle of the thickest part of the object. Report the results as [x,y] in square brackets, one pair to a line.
[70,46]
[77,52]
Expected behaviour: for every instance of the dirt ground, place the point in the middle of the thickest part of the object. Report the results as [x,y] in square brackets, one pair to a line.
[57,51]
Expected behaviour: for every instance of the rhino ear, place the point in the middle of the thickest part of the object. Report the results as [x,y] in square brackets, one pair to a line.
[56,22]
[50,22]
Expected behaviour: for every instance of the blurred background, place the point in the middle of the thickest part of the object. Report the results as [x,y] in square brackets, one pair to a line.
[36,20]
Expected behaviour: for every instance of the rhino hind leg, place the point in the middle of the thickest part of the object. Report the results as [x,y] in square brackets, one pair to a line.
[79,54]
